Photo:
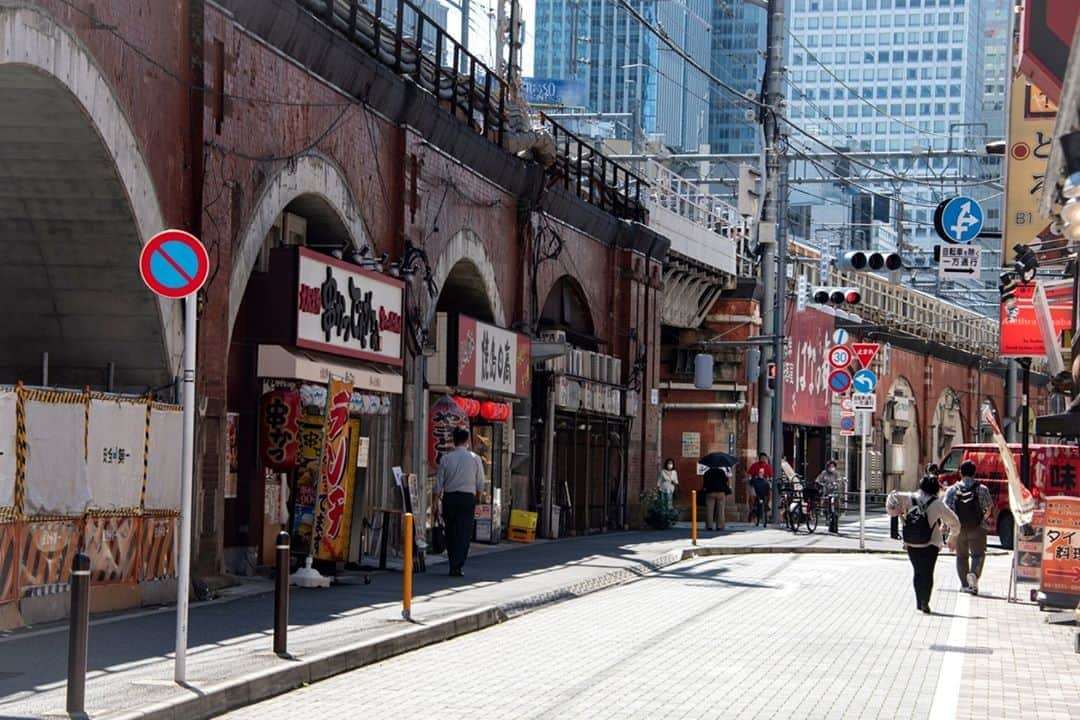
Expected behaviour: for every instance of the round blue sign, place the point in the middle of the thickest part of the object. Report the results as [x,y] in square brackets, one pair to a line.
[959,219]
[839,381]
[865,381]
[847,422]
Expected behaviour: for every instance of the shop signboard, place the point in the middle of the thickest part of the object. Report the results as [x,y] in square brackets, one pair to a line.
[1029,550]
[280,429]
[491,358]
[1020,334]
[333,511]
[691,445]
[346,310]
[1061,546]
[1031,129]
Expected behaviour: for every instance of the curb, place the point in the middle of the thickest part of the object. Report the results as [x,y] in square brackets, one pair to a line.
[255,687]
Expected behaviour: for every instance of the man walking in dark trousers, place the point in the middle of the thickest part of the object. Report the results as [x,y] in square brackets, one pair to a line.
[971,502]
[459,479]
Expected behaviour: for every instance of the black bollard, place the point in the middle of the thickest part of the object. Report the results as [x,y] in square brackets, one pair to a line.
[78,628]
[281,595]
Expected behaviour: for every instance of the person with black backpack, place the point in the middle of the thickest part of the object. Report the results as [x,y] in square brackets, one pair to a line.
[971,502]
[922,515]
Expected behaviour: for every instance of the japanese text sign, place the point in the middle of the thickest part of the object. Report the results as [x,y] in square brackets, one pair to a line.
[1031,129]
[1061,546]
[280,426]
[492,358]
[345,310]
[335,479]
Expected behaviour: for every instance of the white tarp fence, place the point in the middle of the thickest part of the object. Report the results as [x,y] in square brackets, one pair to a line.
[163,471]
[8,401]
[116,448]
[55,461]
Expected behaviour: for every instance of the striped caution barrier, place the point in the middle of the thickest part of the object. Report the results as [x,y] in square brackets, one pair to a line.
[47,550]
[9,562]
[112,542]
[158,547]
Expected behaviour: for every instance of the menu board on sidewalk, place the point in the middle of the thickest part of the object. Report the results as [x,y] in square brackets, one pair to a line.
[1061,546]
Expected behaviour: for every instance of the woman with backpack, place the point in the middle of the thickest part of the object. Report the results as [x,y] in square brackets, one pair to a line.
[922,514]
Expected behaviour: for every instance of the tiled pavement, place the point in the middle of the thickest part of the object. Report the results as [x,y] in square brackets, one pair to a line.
[755,636]
[131,659]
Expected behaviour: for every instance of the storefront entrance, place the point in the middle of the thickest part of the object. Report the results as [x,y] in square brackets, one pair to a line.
[589,472]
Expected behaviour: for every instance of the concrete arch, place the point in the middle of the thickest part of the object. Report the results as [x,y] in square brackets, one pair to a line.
[946,424]
[902,436]
[37,50]
[310,174]
[466,245]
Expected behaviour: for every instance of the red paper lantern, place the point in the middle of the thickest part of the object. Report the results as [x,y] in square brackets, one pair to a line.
[472,409]
[489,410]
[507,411]
[462,402]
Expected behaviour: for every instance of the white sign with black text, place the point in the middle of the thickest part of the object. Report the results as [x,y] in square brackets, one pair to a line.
[960,262]
[864,401]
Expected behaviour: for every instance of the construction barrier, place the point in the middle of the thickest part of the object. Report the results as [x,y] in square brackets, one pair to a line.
[47,551]
[158,548]
[9,562]
[113,546]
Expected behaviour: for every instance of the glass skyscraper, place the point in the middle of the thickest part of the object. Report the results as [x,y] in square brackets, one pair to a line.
[738,44]
[889,76]
[629,72]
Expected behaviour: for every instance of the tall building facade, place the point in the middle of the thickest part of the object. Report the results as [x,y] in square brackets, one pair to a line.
[629,72]
[738,44]
[891,76]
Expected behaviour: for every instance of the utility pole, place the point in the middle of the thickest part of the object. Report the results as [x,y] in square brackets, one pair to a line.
[514,68]
[772,237]
[500,39]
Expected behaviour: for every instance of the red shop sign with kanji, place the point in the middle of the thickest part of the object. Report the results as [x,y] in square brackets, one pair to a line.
[280,429]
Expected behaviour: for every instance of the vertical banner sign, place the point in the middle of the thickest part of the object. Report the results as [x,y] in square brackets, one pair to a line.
[305,492]
[1031,129]
[444,417]
[330,539]
[806,370]
[1061,546]
[280,429]
[233,479]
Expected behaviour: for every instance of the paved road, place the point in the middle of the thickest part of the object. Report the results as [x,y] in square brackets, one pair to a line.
[766,636]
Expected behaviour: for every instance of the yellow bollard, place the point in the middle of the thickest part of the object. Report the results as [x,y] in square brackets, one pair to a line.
[406,578]
[693,516]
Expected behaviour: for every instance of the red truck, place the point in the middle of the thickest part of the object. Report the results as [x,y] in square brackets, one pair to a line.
[1055,470]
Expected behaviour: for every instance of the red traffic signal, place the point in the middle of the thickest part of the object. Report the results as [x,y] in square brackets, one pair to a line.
[836,296]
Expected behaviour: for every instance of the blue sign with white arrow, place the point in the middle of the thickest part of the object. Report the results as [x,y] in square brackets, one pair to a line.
[865,381]
[959,219]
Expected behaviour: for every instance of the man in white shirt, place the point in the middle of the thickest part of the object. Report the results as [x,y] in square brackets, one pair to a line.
[459,478]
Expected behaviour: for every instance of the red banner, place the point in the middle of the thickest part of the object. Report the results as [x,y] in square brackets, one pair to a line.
[806,369]
[1020,334]
[331,529]
[280,429]
[445,415]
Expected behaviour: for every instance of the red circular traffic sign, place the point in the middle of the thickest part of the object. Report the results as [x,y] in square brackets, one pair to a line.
[174,264]
[839,381]
[840,357]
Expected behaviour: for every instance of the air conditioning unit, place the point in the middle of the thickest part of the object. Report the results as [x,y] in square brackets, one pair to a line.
[902,413]
[295,230]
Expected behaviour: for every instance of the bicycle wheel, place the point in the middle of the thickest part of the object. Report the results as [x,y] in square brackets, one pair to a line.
[811,520]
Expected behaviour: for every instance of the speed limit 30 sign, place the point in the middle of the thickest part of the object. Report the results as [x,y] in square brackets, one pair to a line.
[840,357]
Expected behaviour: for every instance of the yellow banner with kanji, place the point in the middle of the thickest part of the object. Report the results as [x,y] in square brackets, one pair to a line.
[1031,128]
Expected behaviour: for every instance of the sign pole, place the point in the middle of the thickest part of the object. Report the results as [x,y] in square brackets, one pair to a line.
[862,495]
[187,460]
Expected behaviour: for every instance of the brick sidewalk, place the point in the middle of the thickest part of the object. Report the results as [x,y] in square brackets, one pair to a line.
[349,624]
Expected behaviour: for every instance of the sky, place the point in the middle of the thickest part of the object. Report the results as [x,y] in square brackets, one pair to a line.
[482,33]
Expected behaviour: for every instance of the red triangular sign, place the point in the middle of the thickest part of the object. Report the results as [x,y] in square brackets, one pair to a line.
[865,352]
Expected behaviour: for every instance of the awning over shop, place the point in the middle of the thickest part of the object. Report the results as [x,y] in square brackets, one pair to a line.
[280,362]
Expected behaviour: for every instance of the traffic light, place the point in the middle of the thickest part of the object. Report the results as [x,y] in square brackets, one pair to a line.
[828,295]
[747,203]
[771,384]
[753,365]
[858,260]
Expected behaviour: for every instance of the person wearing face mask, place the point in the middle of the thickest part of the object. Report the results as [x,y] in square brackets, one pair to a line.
[668,480]
[923,513]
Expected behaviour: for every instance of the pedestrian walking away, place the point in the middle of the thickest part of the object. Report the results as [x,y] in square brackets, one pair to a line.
[923,515]
[717,488]
[668,480]
[972,503]
[459,478]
